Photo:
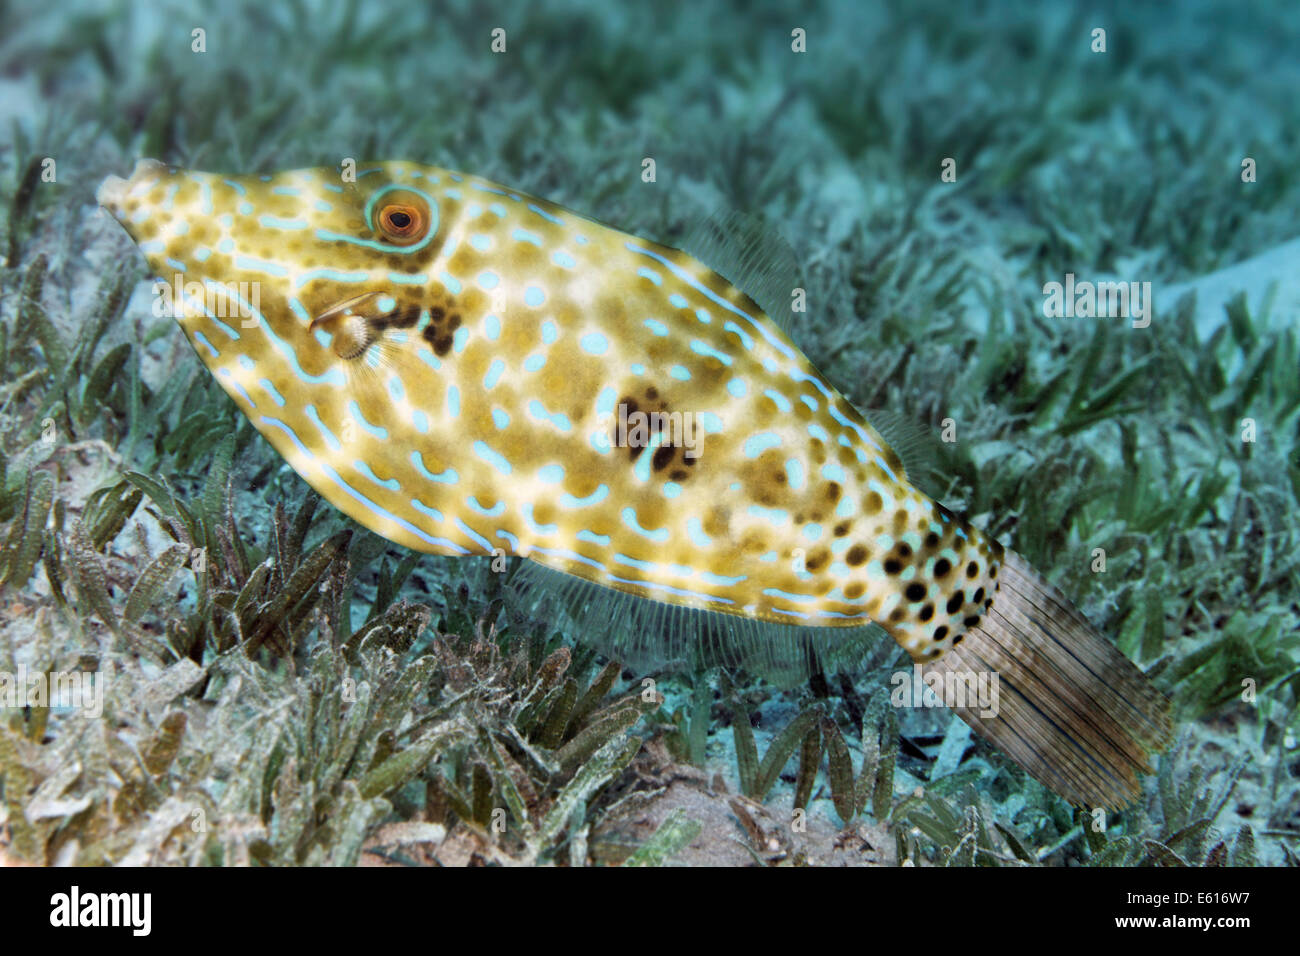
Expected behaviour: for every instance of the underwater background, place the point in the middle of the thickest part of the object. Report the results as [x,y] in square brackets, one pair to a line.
[281,686]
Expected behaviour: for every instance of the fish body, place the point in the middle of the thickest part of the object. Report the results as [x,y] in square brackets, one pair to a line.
[469,370]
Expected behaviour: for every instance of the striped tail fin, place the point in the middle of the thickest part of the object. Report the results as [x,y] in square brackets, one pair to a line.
[1071,709]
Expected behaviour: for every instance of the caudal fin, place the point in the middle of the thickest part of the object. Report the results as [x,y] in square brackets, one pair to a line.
[1071,709]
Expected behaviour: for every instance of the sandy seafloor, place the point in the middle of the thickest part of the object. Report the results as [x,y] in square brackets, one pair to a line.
[926,298]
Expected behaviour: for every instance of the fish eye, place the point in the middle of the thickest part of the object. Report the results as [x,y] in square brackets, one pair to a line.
[403,219]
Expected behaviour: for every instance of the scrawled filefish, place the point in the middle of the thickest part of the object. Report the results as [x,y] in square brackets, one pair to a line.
[468,370]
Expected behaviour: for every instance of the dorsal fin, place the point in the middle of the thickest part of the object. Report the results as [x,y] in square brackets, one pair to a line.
[749,252]
[651,636]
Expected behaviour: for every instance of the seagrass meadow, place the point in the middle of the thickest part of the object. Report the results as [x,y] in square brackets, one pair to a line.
[276,684]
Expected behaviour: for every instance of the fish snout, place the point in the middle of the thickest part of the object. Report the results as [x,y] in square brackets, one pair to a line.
[113,191]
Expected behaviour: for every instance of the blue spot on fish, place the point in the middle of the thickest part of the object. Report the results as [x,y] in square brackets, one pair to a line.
[323,428]
[492,457]
[597,496]
[389,483]
[755,445]
[658,535]
[271,390]
[778,399]
[494,512]
[544,214]
[594,343]
[701,348]
[448,477]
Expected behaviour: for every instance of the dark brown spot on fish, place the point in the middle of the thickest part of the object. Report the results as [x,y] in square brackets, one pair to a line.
[942,567]
[955,602]
[855,590]
[872,503]
[915,592]
[893,566]
[927,612]
[857,555]
[663,457]
[405,317]
[972,620]
[893,461]
[842,528]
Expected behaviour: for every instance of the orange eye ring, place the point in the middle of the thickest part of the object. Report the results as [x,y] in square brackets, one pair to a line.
[403,220]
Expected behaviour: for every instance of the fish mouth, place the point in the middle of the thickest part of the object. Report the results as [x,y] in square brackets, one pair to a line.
[114,190]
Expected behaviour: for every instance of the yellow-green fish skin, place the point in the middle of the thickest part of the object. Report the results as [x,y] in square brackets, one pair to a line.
[469,399]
